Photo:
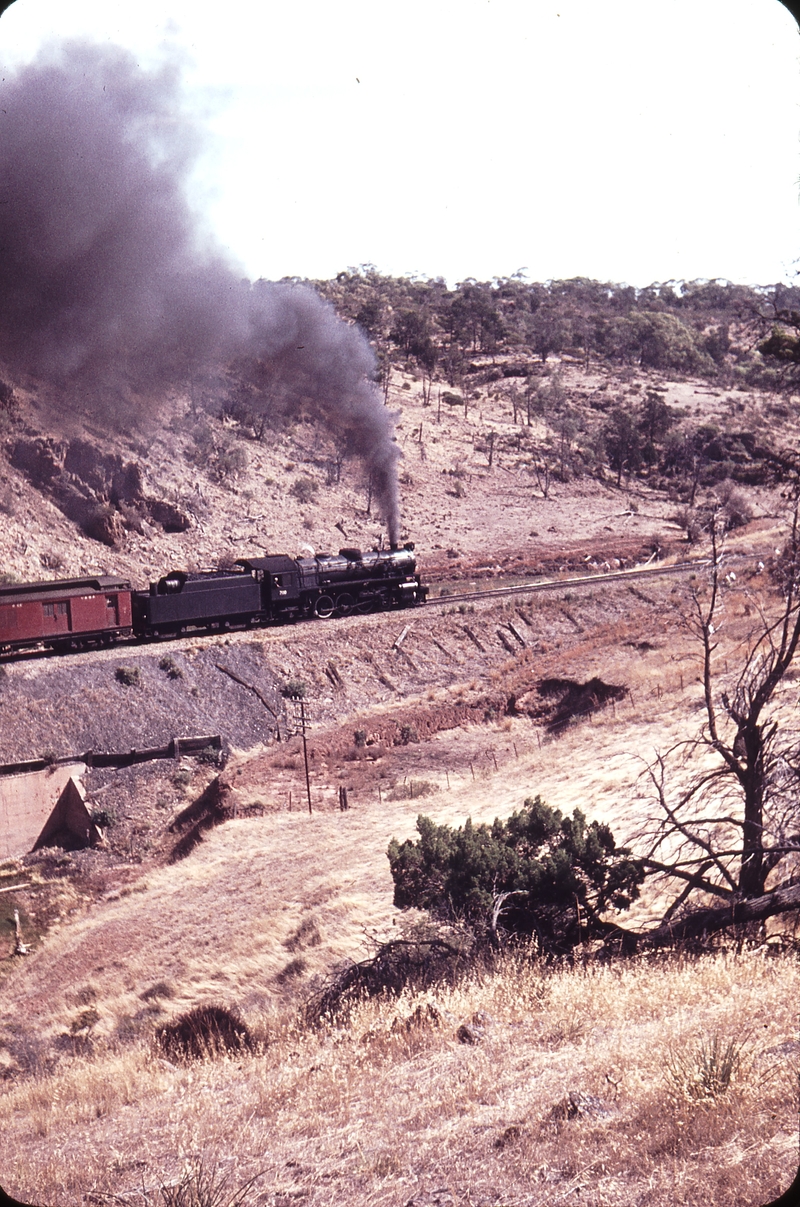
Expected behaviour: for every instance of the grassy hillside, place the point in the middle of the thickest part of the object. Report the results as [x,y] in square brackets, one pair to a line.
[649,1081]
[268,904]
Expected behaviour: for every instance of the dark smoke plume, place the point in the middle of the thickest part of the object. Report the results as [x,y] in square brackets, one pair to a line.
[110,292]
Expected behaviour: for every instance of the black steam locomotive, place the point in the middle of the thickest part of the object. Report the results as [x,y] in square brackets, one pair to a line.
[75,613]
[260,589]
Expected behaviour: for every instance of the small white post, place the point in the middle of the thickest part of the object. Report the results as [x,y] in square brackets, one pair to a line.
[20,948]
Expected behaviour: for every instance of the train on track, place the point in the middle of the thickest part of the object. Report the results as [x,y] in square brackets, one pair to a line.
[70,614]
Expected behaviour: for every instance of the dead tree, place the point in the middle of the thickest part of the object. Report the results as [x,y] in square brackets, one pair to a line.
[736,814]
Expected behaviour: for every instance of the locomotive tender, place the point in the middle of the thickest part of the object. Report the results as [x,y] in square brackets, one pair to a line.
[75,613]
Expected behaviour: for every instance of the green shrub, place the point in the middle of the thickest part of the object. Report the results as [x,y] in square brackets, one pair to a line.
[304,489]
[229,463]
[128,676]
[294,689]
[105,818]
[736,506]
[211,756]
[782,345]
[542,873]
[170,667]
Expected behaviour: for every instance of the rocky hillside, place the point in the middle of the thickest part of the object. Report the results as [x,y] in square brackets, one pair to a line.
[478,488]
[215,885]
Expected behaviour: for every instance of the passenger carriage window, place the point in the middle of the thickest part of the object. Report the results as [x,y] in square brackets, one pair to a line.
[61,609]
[49,609]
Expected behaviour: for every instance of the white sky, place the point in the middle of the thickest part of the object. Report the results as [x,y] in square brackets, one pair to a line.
[623,140]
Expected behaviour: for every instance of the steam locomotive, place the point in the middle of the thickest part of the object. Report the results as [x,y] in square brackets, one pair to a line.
[80,612]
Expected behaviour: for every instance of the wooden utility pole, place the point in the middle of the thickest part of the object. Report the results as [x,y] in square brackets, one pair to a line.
[302,705]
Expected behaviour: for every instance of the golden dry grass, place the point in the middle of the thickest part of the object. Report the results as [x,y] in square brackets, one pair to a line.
[379,1110]
[375,1112]
[218,922]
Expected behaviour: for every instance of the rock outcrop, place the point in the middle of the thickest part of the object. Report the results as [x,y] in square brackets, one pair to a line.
[100,492]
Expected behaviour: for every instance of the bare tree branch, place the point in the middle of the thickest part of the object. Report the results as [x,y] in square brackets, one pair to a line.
[726,829]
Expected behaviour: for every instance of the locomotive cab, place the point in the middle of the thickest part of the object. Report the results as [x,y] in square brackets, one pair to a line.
[279,582]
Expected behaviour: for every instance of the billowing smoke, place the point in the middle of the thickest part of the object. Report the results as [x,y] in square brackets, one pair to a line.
[111,292]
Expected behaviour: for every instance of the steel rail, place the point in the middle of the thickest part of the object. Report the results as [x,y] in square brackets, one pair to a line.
[586,580]
[272,632]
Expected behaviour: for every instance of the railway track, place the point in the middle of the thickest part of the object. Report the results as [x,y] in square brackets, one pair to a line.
[586,580]
[271,634]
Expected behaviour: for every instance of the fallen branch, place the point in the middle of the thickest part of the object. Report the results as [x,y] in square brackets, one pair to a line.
[506,644]
[517,634]
[251,688]
[475,641]
[398,963]
[332,671]
[701,923]
[707,921]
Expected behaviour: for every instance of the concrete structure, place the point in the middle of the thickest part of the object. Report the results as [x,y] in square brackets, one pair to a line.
[42,809]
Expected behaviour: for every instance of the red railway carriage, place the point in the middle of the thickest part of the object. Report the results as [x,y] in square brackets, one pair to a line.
[64,614]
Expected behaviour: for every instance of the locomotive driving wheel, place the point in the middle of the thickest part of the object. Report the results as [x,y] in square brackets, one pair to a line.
[345,604]
[324,607]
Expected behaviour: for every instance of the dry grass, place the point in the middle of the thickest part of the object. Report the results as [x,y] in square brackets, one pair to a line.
[219,921]
[392,1105]
[684,1072]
